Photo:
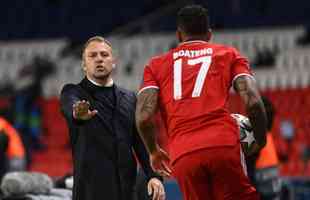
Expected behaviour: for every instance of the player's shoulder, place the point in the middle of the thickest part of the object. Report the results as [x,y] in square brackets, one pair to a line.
[161,57]
[157,62]
[227,51]
[223,47]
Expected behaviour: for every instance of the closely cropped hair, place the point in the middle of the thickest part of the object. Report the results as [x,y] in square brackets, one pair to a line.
[193,20]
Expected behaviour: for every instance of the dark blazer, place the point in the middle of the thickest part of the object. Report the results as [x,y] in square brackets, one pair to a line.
[104,163]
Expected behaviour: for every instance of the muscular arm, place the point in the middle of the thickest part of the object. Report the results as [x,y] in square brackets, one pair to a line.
[147,103]
[143,157]
[246,88]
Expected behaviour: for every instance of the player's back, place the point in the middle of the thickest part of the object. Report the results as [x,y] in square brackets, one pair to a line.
[194,80]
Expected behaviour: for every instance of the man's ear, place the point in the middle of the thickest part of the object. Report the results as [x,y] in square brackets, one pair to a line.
[114,62]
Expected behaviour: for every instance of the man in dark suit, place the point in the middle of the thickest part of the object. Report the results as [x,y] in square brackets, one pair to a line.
[101,121]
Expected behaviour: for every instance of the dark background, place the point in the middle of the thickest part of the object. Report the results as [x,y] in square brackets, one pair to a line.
[79,19]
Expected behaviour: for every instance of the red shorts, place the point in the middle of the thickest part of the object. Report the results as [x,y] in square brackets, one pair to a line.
[214,174]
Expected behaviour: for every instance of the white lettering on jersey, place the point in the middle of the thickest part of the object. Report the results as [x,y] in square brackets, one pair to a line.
[192,53]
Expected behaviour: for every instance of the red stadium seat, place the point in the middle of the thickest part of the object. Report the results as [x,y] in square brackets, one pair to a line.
[56,160]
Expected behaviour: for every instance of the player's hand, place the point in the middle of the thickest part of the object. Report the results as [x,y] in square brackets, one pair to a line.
[160,162]
[156,189]
[81,110]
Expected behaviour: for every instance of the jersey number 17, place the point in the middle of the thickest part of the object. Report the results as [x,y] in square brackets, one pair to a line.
[205,62]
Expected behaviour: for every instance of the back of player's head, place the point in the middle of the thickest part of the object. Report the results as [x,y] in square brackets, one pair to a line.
[269,112]
[193,20]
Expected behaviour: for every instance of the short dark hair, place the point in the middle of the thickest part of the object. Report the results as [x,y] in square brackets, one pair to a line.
[269,112]
[193,20]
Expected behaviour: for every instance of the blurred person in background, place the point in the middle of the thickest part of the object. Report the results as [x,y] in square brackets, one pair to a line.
[4,140]
[190,86]
[101,120]
[27,111]
[12,149]
[263,167]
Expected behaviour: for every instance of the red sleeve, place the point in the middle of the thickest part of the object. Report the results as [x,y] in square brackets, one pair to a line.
[149,80]
[240,66]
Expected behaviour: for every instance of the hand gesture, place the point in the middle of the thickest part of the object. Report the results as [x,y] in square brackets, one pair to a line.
[156,189]
[160,162]
[81,110]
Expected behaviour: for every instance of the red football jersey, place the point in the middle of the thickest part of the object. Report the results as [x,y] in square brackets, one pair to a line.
[194,80]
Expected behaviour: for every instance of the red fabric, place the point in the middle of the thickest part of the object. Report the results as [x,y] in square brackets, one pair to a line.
[213,174]
[203,120]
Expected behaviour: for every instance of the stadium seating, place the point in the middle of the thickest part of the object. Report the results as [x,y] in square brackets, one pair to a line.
[56,160]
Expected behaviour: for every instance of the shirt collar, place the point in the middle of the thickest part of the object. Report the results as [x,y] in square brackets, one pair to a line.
[108,84]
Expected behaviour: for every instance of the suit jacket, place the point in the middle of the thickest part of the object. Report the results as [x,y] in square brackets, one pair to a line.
[104,163]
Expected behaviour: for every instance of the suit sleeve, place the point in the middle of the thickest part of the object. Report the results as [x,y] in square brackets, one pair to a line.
[69,95]
[142,155]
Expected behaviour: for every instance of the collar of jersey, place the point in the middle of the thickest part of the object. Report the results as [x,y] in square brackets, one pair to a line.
[193,41]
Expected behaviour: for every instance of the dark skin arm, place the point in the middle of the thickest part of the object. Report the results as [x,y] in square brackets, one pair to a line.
[147,105]
[145,111]
[245,86]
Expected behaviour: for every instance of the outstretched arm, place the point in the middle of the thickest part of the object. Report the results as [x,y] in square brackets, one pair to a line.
[245,86]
